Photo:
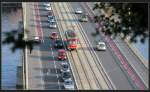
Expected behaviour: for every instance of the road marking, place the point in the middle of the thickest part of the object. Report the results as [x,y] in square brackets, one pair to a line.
[40,63]
[36,30]
[55,67]
[121,58]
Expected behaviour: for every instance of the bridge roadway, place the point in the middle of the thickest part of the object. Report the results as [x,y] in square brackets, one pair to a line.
[133,60]
[43,67]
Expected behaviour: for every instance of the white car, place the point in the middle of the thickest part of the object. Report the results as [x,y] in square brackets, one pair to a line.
[48,8]
[47,4]
[53,25]
[37,39]
[68,84]
[78,11]
[101,45]
[64,67]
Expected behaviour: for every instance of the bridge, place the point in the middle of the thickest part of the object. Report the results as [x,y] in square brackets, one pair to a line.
[120,67]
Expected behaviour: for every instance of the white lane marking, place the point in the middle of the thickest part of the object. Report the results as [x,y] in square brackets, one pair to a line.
[40,24]
[55,67]
[40,63]
[26,68]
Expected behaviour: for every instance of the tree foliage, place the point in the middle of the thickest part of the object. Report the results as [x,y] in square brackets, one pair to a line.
[15,38]
[133,16]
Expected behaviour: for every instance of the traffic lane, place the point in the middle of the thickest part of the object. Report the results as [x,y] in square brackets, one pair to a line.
[51,64]
[135,76]
[108,60]
[55,54]
[62,35]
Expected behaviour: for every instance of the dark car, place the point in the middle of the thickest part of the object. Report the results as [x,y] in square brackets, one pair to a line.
[58,43]
[49,14]
[66,75]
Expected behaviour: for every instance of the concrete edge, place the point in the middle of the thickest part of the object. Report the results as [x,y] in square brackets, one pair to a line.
[138,54]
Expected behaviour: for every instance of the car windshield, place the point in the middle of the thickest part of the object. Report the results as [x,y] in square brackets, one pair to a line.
[58,41]
[66,75]
[54,34]
[62,53]
[71,33]
[68,82]
[51,17]
[78,9]
[65,66]
[53,23]
[72,42]
[101,45]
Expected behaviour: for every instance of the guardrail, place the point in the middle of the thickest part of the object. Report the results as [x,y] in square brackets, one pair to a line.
[24,53]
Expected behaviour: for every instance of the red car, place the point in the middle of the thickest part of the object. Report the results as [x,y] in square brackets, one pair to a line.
[62,54]
[54,35]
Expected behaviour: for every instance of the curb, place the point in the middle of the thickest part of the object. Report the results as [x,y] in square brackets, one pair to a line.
[138,54]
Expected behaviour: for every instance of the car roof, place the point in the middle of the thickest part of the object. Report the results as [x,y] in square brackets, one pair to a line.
[68,80]
[101,42]
[36,37]
[54,32]
[61,50]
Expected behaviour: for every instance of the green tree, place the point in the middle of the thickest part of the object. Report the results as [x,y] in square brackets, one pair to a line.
[133,16]
[15,38]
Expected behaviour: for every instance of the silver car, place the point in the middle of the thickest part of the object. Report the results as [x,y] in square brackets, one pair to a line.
[101,45]
[47,4]
[37,39]
[78,11]
[68,84]
[53,25]
[65,67]
[83,18]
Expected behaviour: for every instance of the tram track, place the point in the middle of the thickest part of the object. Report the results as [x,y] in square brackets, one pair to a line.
[81,53]
[94,55]
[76,64]
[89,62]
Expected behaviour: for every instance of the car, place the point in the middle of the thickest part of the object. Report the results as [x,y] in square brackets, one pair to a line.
[66,75]
[54,35]
[58,43]
[71,33]
[65,67]
[52,25]
[62,54]
[51,19]
[101,45]
[83,18]
[48,8]
[47,4]
[69,84]
[37,39]
[78,11]
[49,14]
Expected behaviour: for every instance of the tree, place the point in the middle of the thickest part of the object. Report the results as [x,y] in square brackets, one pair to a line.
[133,16]
[15,38]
